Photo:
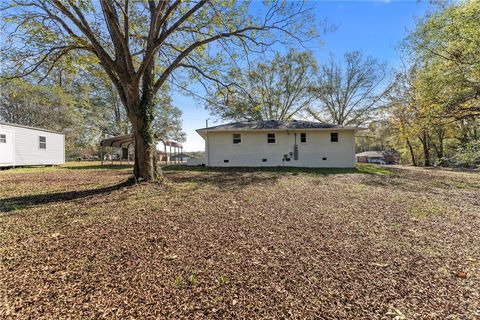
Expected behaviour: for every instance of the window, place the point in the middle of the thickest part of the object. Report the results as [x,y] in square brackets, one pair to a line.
[237,138]
[264,160]
[334,136]
[42,142]
[303,137]
[3,138]
[226,161]
[271,138]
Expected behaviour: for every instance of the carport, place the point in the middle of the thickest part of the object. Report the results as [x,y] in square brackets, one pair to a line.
[127,140]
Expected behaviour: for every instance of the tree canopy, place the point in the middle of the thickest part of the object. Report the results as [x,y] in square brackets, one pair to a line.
[276,89]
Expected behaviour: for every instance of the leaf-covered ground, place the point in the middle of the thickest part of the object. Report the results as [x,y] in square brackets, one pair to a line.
[401,243]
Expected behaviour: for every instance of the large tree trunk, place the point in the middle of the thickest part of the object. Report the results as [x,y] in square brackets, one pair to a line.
[145,167]
[140,109]
[140,114]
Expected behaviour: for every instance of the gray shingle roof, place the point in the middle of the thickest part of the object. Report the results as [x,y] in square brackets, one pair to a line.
[276,125]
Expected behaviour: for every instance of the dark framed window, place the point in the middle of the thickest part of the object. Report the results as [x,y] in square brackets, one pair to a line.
[42,142]
[271,138]
[3,138]
[237,138]
[334,136]
[303,137]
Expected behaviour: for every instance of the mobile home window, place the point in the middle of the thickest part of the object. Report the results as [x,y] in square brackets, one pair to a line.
[271,138]
[237,138]
[3,138]
[303,137]
[334,136]
[42,142]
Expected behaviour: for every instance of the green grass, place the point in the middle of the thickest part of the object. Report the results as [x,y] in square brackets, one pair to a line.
[426,211]
[74,165]
[360,168]
[33,169]
[95,165]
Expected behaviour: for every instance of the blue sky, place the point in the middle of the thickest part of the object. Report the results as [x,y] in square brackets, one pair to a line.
[374,27]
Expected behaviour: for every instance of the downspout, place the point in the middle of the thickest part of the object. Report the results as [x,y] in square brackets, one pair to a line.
[207,146]
[295,148]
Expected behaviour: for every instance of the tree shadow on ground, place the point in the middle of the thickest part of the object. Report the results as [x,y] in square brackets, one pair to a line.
[365,169]
[225,180]
[98,167]
[17,203]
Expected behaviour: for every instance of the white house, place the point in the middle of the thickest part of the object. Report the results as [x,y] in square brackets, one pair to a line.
[279,143]
[28,146]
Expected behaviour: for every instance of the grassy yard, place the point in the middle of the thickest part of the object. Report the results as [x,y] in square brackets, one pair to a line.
[370,243]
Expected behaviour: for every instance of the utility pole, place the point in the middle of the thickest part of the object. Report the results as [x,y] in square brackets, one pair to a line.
[206,123]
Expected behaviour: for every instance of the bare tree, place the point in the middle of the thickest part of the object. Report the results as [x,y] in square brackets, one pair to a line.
[141,44]
[278,89]
[347,94]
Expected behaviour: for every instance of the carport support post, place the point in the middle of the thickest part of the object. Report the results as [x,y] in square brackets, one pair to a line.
[170,157]
[165,153]
[101,154]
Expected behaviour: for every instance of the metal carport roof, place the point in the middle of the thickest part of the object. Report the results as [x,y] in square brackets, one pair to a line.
[124,141]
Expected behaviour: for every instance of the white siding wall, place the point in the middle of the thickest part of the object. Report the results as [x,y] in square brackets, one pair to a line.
[254,148]
[27,150]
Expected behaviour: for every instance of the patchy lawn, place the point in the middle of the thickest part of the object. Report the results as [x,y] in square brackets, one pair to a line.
[371,243]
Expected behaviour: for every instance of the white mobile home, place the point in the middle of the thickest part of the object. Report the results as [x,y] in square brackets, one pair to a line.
[28,146]
[279,143]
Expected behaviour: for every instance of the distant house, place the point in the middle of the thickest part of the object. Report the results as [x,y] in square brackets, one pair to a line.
[378,157]
[181,157]
[279,143]
[29,146]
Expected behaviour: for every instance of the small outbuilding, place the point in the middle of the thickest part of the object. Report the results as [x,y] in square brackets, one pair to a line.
[28,146]
[378,157]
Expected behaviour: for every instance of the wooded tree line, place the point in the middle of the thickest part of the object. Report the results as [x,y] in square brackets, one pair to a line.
[434,111]
[84,106]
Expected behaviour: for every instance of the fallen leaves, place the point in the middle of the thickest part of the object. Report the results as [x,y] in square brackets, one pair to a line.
[240,245]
